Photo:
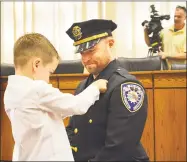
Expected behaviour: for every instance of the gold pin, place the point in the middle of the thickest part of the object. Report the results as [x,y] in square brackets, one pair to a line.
[75,130]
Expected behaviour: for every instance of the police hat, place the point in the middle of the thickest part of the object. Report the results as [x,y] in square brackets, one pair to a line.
[87,34]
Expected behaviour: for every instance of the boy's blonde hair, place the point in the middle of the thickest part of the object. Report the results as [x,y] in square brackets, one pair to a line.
[33,44]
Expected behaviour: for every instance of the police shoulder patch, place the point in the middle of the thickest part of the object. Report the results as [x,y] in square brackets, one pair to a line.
[132,95]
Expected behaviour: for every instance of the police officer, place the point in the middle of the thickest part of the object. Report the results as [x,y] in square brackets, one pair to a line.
[112,128]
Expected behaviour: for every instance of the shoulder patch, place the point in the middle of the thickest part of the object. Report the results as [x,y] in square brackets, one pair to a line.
[132,95]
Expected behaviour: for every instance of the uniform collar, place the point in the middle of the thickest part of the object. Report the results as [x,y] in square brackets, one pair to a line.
[108,70]
[105,74]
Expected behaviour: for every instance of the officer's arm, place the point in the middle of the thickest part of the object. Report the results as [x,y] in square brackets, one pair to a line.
[124,127]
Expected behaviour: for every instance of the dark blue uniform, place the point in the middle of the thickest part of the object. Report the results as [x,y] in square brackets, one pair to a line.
[112,128]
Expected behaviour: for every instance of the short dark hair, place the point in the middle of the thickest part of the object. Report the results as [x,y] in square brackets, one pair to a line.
[182,7]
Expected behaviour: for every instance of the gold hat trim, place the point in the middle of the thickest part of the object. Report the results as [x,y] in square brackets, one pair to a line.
[90,38]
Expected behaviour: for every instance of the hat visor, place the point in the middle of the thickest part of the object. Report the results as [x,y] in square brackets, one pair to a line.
[87,45]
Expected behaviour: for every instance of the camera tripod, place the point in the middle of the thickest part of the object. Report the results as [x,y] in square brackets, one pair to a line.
[154,50]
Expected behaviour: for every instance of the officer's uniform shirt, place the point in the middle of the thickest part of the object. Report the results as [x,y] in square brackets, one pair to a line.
[36,110]
[112,128]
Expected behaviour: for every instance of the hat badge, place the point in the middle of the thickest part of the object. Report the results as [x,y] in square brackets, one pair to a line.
[77,32]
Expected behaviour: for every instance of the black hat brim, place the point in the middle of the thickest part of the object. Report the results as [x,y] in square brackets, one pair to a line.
[86,46]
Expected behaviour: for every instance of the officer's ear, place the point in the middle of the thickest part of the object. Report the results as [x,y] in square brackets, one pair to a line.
[110,41]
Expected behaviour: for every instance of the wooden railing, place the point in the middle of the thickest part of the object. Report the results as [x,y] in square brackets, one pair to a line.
[164,136]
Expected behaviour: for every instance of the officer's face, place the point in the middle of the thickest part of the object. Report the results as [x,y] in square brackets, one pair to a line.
[97,58]
[180,16]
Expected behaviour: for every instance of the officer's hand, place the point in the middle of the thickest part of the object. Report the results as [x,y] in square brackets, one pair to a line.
[101,84]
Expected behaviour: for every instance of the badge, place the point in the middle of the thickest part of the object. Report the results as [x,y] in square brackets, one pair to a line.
[132,95]
[77,32]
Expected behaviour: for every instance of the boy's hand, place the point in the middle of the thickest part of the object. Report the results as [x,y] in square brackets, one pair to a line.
[101,84]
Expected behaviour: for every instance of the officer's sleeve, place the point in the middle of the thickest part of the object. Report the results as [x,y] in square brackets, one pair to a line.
[126,120]
[66,104]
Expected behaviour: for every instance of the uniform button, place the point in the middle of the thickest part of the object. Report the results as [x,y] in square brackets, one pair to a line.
[74,148]
[75,130]
[90,121]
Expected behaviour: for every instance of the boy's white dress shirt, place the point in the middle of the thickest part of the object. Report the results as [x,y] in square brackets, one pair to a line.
[36,110]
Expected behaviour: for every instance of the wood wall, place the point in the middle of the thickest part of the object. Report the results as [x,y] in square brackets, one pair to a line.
[164,137]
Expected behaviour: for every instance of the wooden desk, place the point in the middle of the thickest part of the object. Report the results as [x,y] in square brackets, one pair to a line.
[164,137]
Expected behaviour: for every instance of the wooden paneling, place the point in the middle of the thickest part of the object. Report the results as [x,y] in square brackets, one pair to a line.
[164,136]
[7,141]
[170,124]
[70,82]
[54,81]
[66,121]
[170,80]
[68,91]
[3,83]
[146,80]
[148,134]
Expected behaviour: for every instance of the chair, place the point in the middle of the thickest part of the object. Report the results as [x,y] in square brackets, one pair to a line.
[141,64]
[69,67]
[7,69]
[178,66]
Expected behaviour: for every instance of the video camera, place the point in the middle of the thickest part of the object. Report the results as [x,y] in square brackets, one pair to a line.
[154,26]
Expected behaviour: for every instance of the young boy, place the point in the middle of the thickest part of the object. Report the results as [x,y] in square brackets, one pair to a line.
[35,108]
